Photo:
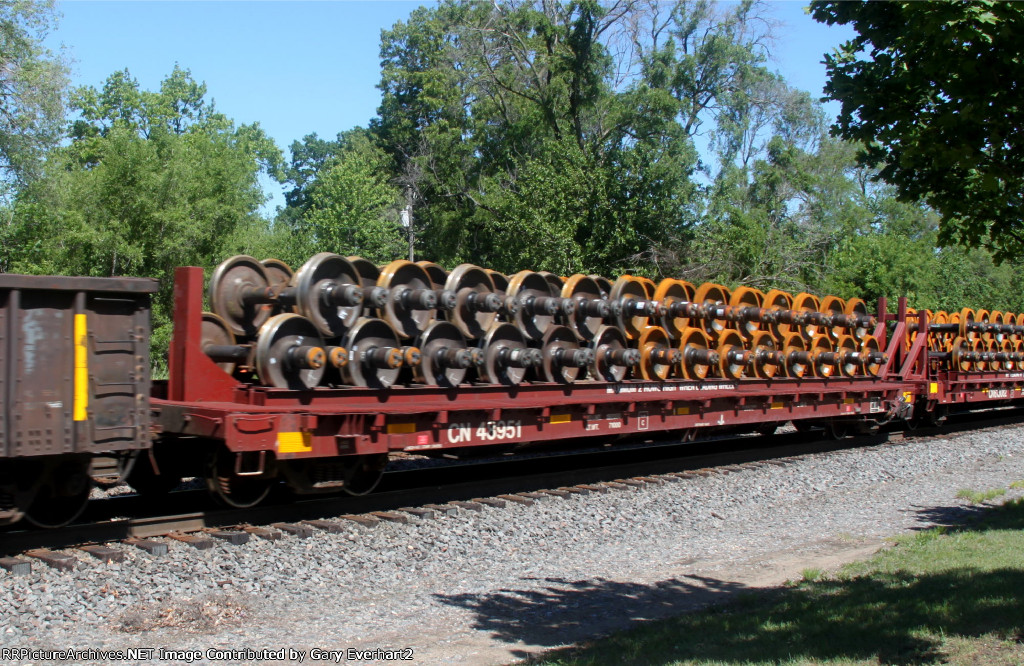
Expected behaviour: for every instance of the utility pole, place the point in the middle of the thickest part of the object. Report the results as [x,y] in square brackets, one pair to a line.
[406,217]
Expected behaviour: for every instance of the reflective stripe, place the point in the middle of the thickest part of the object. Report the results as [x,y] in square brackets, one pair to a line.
[81,368]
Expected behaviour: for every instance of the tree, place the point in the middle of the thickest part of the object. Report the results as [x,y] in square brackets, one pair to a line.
[150,180]
[350,207]
[33,82]
[491,112]
[933,93]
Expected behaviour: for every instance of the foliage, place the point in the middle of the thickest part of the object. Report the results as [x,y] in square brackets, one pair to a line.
[32,89]
[930,92]
[149,181]
[351,208]
[492,113]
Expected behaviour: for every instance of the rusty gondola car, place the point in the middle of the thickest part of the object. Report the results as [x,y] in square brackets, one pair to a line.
[74,388]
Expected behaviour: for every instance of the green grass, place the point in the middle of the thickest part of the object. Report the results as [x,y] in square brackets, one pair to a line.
[980,497]
[1017,485]
[939,596]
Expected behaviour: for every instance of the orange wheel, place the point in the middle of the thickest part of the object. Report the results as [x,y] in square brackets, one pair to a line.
[913,323]
[438,275]
[765,354]
[1006,348]
[710,293]
[743,298]
[779,301]
[804,302]
[868,346]
[794,351]
[833,305]
[823,363]
[649,286]
[966,319]
[957,350]
[979,346]
[656,353]
[672,293]
[994,347]
[996,318]
[983,317]
[851,363]
[733,357]
[695,346]
[855,307]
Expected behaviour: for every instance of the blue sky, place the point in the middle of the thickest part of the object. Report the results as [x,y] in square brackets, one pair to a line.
[302,67]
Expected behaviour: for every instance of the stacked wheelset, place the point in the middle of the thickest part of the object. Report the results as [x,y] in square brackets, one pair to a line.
[340,321]
[973,340]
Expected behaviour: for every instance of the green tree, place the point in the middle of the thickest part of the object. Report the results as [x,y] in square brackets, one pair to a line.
[32,89]
[149,181]
[491,112]
[931,91]
[350,207]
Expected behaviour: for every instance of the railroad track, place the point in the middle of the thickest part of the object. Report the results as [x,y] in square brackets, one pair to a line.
[115,524]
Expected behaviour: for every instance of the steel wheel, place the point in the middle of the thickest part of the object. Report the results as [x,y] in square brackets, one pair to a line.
[506,356]
[698,357]
[591,307]
[657,355]
[711,294]
[230,488]
[612,358]
[526,287]
[767,359]
[477,304]
[62,492]
[323,275]
[563,359]
[231,281]
[630,306]
[289,353]
[445,356]
[374,352]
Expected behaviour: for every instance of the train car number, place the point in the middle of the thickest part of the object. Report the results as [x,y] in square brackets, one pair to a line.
[487,431]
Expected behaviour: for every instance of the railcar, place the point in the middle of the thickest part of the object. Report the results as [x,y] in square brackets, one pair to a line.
[313,379]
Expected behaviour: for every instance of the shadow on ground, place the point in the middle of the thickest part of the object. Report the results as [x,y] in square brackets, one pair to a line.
[889,617]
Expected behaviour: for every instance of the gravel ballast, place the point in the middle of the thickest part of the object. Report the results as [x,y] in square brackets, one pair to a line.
[492,586]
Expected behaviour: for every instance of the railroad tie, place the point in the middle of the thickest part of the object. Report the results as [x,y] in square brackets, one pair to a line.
[61,561]
[104,553]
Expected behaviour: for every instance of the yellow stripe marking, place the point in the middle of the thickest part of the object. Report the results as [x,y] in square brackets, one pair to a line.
[80,412]
[294,442]
[682,411]
[848,401]
[933,387]
[777,405]
[561,418]
[401,428]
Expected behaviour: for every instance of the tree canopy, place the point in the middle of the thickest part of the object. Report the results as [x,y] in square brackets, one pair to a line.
[934,93]
[32,88]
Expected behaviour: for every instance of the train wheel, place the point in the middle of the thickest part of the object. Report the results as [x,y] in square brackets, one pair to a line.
[363,473]
[835,429]
[145,480]
[230,486]
[62,494]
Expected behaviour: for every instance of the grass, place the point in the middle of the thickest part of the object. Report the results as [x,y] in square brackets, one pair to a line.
[1017,485]
[939,596]
[980,497]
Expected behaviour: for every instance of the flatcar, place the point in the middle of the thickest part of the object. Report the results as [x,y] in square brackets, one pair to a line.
[313,378]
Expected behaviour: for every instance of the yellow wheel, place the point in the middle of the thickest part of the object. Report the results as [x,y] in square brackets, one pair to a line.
[743,298]
[695,346]
[765,353]
[869,346]
[794,351]
[672,294]
[657,356]
[823,363]
[733,358]
[710,294]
